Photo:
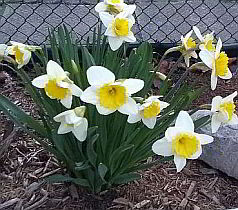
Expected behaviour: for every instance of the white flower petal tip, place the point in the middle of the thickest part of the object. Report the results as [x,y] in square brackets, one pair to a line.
[71,121]
[98,75]
[185,121]
[162,147]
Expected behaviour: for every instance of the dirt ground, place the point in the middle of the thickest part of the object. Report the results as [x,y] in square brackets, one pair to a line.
[25,164]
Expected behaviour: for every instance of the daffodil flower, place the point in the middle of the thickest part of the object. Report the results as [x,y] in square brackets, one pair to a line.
[57,85]
[73,121]
[21,52]
[187,44]
[109,95]
[118,28]
[181,141]
[148,111]
[206,41]
[218,62]
[223,111]
[114,7]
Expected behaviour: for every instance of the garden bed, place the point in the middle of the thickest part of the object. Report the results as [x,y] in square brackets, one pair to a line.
[25,164]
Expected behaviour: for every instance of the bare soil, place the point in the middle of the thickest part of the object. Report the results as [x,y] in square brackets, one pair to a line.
[24,164]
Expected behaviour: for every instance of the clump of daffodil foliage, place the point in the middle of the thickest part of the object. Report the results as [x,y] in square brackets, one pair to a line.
[97,113]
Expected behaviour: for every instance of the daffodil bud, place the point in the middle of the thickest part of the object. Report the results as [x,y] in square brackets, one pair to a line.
[79,111]
[75,68]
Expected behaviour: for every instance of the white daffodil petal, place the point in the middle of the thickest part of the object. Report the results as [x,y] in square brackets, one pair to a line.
[198,33]
[60,117]
[188,35]
[215,123]
[80,131]
[129,108]
[186,59]
[163,105]
[101,7]
[171,132]
[216,101]
[197,154]
[40,81]
[64,128]
[133,85]
[234,120]
[3,49]
[63,84]
[185,121]
[227,76]
[130,37]
[27,57]
[103,111]
[230,97]
[90,95]
[179,162]
[204,139]
[106,18]
[98,75]
[72,118]
[194,54]
[115,42]
[218,48]
[134,118]
[67,101]
[213,81]
[207,58]
[76,91]
[149,122]
[162,147]
[129,8]
[109,31]
[54,70]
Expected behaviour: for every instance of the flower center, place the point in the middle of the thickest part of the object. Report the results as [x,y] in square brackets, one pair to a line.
[152,110]
[185,144]
[221,64]
[121,26]
[54,91]
[115,1]
[191,43]
[112,96]
[209,46]
[229,108]
[18,55]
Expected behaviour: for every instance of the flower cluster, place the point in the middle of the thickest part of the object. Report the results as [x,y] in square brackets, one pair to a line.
[117,17]
[210,54]
[110,94]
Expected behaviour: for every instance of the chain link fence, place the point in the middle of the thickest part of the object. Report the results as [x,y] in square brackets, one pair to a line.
[162,21]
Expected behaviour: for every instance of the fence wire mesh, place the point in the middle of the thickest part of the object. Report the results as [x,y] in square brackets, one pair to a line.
[161,21]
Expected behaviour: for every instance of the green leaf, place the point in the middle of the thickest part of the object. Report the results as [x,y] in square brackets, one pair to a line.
[125,178]
[16,112]
[92,155]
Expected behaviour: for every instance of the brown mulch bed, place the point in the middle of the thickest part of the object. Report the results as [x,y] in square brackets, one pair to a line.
[24,165]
